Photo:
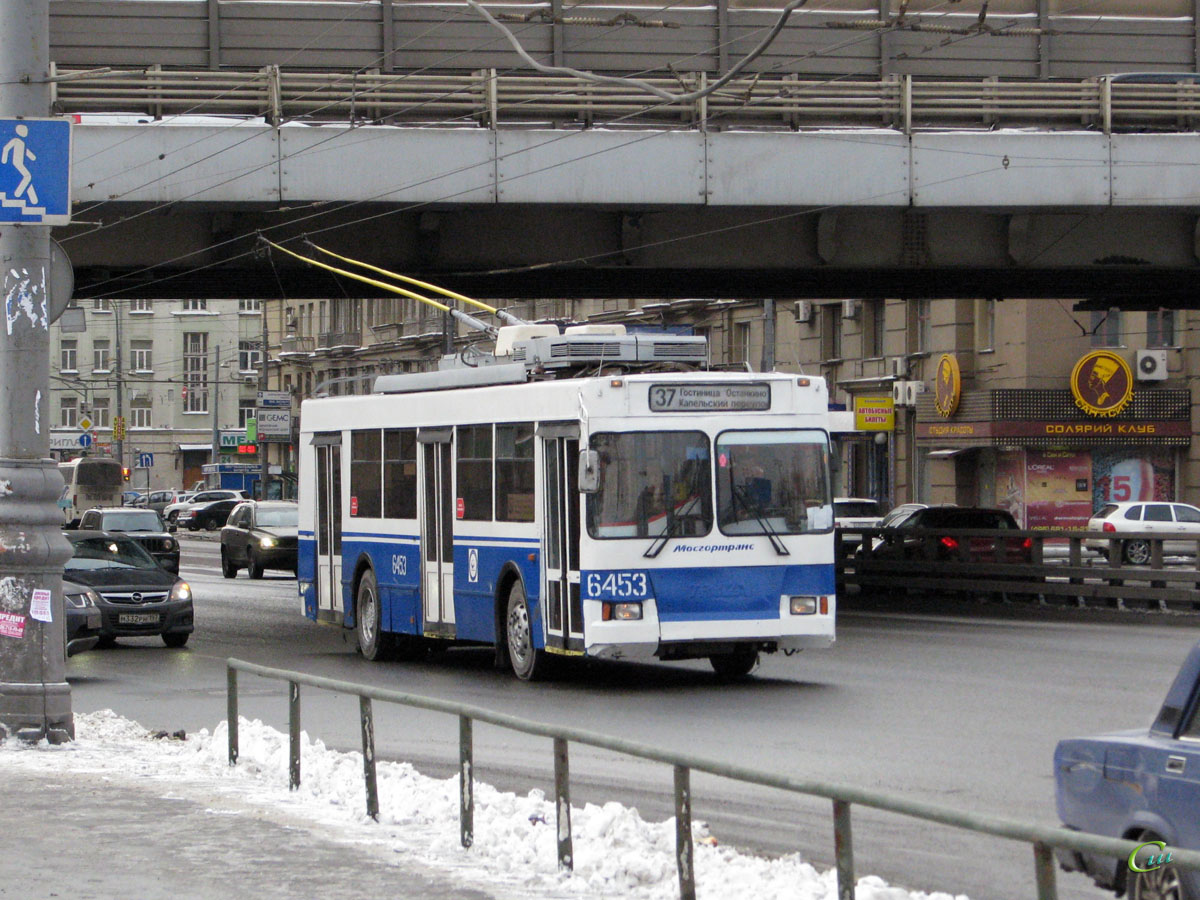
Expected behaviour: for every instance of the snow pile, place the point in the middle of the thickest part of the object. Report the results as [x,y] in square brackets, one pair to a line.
[617,853]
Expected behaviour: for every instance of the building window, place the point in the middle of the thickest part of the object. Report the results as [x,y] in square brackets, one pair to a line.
[739,344]
[920,330]
[475,471]
[249,355]
[100,413]
[195,305]
[101,305]
[100,356]
[874,312]
[141,307]
[68,356]
[831,331]
[68,412]
[366,474]
[140,414]
[246,410]
[249,306]
[1160,328]
[985,325]
[195,372]
[1106,327]
[141,356]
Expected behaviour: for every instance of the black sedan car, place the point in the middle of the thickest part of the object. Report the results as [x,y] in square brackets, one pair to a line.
[83,617]
[143,525]
[209,516]
[260,534]
[136,596]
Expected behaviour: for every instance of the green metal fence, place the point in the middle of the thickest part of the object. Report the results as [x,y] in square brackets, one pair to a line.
[1041,838]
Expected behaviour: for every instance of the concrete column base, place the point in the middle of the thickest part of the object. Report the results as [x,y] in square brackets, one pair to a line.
[31,712]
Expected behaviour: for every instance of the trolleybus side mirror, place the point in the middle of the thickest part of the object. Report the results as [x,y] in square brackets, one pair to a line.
[589,471]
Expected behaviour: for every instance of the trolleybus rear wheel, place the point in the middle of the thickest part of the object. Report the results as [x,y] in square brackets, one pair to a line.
[528,663]
[373,644]
[736,664]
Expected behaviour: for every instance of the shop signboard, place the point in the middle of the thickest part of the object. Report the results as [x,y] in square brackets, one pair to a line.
[874,413]
[1102,383]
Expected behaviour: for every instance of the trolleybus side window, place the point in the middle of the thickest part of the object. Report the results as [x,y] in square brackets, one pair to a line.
[475,471]
[365,474]
[400,473]
[773,481]
[514,473]
[651,483]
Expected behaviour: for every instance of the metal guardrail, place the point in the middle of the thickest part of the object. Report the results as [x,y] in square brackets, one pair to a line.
[490,99]
[1043,839]
[1058,568]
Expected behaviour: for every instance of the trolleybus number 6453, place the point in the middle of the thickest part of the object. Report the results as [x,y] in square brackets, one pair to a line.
[633,585]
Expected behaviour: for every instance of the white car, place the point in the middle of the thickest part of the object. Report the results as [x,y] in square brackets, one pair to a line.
[1177,523]
[171,513]
[855,512]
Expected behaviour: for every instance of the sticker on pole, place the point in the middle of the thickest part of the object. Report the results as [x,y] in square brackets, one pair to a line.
[39,607]
[35,171]
[12,625]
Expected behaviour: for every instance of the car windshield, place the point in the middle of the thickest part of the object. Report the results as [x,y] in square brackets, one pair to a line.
[855,509]
[277,518]
[652,483]
[109,553]
[140,520]
[773,482]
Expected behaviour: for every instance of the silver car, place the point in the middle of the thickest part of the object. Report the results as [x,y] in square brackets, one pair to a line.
[1177,523]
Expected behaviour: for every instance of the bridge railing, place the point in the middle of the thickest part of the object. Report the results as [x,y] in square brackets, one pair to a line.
[1043,840]
[490,99]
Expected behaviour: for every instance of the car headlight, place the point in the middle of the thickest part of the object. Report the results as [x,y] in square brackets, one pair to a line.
[168,544]
[181,591]
[267,542]
[79,601]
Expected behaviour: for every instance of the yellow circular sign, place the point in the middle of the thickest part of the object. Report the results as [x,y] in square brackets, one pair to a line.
[1102,383]
[947,386]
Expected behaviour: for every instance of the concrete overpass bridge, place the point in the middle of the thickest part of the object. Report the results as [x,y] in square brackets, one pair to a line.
[505,183]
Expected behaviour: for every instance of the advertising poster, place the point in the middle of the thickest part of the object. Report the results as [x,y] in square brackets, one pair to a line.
[1123,474]
[1010,483]
[1058,489]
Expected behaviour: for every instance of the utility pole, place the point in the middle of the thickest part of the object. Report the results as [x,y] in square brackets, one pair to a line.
[35,699]
[120,441]
[214,397]
[264,472]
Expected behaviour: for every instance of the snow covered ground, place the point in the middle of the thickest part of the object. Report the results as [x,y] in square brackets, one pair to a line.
[617,853]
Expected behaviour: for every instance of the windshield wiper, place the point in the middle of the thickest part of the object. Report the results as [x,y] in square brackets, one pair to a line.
[673,519]
[739,493]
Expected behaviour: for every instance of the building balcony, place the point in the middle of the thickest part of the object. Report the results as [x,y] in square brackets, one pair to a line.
[295,344]
[328,340]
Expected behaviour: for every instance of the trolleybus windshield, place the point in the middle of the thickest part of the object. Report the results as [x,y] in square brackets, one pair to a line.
[773,482]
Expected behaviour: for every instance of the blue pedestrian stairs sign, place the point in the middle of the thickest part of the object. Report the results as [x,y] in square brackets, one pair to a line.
[35,171]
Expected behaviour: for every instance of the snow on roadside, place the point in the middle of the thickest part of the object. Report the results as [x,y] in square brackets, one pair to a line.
[617,853]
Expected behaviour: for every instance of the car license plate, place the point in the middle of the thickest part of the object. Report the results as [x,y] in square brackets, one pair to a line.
[137,619]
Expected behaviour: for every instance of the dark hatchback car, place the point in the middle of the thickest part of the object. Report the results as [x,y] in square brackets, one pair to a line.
[917,537]
[209,516]
[1143,785]
[143,525]
[136,596]
[260,535]
[83,617]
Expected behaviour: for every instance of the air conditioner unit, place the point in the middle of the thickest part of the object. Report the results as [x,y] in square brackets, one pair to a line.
[899,394]
[1151,365]
[898,365]
[250,379]
[912,389]
[849,309]
[803,311]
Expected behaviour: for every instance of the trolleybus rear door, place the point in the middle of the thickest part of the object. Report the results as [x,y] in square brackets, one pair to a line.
[437,529]
[329,525]
[563,611]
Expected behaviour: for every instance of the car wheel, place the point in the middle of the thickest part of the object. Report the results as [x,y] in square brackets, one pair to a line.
[1137,553]
[253,564]
[1161,883]
[528,663]
[211,525]
[228,569]
[173,516]
[736,664]
[175,640]
[373,644]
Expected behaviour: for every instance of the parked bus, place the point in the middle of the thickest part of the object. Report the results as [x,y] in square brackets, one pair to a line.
[87,482]
[639,515]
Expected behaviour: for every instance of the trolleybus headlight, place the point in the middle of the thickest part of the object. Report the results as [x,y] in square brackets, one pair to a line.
[804,606]
[621,612]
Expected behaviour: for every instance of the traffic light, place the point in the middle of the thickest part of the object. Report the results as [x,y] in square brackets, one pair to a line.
[125,472]
[183,393]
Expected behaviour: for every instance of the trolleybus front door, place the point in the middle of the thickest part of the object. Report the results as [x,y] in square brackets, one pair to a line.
[329,527]
[563,611]
[437,530]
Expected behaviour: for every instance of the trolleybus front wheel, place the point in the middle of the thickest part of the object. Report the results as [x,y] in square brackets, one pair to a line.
[528,663]
[736,664]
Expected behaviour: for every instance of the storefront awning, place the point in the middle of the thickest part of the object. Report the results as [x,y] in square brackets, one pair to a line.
[193,448]
[949,451]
